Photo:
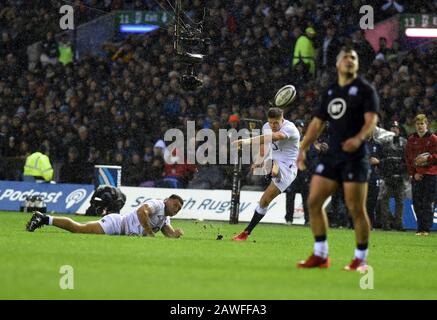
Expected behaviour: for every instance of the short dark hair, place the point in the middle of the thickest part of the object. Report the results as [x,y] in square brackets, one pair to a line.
[73,150]
[275,113]
[175,196]
[347,49]
[344,50]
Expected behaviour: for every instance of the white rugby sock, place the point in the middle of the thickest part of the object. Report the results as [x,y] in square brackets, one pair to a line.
[321,249]
[260,210]
[50,220]
[361,254]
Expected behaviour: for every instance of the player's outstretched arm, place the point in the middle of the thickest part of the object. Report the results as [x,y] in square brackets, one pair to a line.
[144,213]
[262,139]
[168,231]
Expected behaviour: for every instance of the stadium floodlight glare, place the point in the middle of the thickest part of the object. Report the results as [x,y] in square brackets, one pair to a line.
[138,28]
[421,32]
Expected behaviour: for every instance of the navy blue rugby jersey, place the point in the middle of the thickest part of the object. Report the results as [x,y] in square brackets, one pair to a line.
[344,109]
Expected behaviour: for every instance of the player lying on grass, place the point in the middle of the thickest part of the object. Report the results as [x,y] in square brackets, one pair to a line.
[152,216]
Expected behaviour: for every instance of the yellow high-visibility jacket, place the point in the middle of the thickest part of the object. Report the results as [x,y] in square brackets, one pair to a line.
[38,165]
[304,49]
[65,54]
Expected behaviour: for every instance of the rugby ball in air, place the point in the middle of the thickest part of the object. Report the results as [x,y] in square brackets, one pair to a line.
[285,96]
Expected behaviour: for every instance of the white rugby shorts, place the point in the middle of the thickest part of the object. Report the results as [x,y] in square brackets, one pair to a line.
[286,176]
[112,224]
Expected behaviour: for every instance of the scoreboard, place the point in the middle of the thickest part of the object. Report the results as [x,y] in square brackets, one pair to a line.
[141,21]
[418,25]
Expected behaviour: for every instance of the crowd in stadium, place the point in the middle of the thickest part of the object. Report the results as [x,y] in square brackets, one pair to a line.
[116,109]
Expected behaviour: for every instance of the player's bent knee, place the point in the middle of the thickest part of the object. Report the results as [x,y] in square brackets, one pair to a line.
[314,203]
[266,200]
[264,203]
[356,211]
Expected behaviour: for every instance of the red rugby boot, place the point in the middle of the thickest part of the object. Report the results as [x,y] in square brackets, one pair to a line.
[314,262]
[241,237]
[356,265]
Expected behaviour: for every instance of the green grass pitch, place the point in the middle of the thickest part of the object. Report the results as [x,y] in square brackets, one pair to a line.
[200,267]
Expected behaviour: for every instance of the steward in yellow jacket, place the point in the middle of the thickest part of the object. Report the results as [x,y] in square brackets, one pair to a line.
[38,166]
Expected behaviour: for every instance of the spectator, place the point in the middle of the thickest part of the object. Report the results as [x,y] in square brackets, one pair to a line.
[49,54]
[391,7]
[7,45]
[73,170]
[134,173]
[148,153]
[119,159]
[11,149]
[94,158]
[330,48]
[177,172]
[160,150]
[364,49]
[208,177]
[154,172]
[233,121]
[83,143]
[383,51]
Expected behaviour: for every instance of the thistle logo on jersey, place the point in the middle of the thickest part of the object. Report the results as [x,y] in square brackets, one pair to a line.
[353,91]
[75,197]
[337,108]
[320,168]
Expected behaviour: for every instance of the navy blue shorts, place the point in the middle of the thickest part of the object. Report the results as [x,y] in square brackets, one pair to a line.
[344,171]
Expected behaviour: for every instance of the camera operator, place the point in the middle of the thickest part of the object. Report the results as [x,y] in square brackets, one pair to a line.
[393,176]
[105,200]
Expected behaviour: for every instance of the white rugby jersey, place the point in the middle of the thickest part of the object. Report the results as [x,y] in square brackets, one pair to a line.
[157,218]
[285,151]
